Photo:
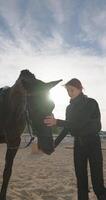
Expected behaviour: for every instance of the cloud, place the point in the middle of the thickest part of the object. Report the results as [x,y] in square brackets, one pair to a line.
[102,42]
[58,11]
[93,24]
[72,24]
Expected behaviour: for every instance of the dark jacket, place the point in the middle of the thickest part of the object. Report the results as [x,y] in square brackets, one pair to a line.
[82,117]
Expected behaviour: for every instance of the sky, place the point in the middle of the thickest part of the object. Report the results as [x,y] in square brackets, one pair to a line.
[56,39]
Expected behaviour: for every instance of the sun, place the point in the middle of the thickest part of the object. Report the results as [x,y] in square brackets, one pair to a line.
[59,95]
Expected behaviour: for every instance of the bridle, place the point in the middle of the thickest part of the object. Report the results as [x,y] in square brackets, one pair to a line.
[29,127]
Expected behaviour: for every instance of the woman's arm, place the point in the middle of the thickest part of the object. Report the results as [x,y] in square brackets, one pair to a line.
[87,118]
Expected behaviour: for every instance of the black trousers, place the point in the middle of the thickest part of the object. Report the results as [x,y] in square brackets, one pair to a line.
[89,149]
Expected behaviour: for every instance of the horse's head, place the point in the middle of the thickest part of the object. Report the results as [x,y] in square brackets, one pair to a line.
[39,107]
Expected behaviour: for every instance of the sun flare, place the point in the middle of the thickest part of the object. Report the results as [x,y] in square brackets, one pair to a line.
[59,95]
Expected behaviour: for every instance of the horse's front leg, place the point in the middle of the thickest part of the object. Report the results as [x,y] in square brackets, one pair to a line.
[10,155]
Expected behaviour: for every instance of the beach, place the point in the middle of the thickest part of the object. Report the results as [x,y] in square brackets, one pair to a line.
[37,176]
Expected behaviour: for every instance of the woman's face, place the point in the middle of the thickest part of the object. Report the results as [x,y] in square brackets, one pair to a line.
[73,91]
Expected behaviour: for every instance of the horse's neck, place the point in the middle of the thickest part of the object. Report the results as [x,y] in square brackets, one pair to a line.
[16,104]
[17,95]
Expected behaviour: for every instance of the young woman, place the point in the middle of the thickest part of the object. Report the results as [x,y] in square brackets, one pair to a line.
[83,122]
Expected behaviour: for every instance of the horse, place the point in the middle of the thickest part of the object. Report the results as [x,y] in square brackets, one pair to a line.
[28,95]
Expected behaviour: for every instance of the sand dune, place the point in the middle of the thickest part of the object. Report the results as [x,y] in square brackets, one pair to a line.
[42,177]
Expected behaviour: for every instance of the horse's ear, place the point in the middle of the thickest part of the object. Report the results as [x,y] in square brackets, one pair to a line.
[52,84]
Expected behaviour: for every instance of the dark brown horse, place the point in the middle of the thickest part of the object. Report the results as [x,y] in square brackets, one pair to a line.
[27,94]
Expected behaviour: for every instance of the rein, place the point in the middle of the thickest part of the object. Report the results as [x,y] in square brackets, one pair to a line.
[30,131]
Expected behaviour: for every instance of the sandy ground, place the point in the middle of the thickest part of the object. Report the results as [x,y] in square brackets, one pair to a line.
[41,177]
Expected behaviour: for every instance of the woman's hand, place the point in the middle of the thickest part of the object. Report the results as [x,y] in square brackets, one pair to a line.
[50,121]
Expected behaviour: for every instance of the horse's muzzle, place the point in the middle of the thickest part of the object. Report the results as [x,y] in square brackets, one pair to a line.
[46,144]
